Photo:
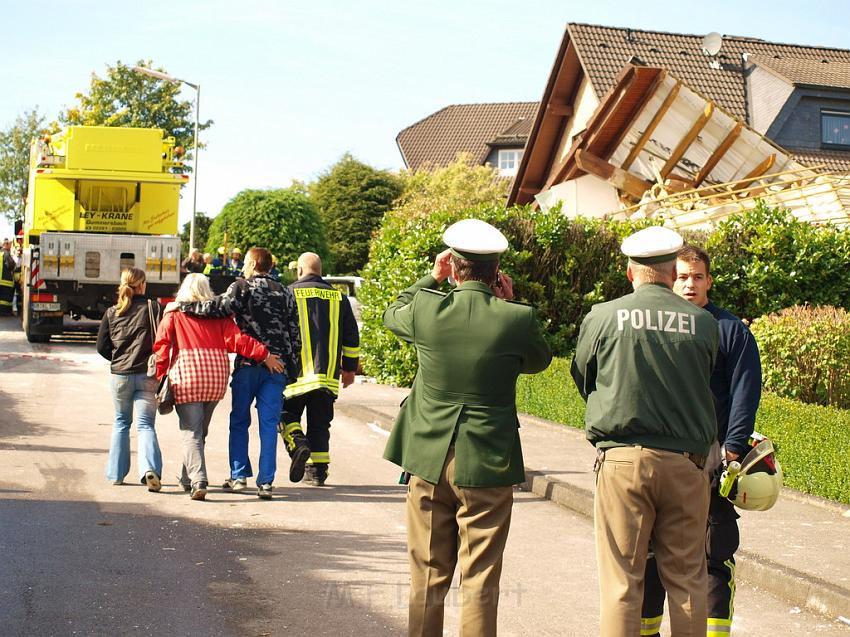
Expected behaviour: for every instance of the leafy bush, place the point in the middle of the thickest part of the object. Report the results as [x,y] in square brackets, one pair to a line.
[284,220]
[766,260]
[560,266]
[352,198]
[812,442]
[805,353]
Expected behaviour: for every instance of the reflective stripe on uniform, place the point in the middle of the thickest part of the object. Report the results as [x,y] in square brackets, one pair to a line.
[718,627]
[306,347]
[315,381]
[287,434]
[333,340]
[650,625]
[320,457]
[350,352]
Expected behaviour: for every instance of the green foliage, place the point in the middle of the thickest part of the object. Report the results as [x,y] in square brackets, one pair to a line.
[805,354]
[284,220]
[813,442]
[129,98]
[561,266]
[14,162]
[202,230]
[551,394]
[352,198]
[766,260]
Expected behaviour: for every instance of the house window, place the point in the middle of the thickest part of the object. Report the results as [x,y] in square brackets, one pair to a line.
[835,128]
[509,161]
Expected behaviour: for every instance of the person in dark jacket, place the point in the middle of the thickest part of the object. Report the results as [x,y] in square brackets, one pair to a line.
[736,387]
[330,348]
[126,338]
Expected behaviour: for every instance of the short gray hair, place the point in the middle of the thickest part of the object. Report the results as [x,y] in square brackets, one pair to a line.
[655,273]
[195,287]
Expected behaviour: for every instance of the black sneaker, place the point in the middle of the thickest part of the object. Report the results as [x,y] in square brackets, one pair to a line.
[199,491]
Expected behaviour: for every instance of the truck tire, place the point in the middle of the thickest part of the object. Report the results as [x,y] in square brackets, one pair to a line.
[26,318]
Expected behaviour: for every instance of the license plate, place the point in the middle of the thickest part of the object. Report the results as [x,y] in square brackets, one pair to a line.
[46,307]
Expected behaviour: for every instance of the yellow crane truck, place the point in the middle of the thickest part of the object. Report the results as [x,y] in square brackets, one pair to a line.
[100,199]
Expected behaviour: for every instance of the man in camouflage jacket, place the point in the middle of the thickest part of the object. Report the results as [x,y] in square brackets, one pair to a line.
[266,310]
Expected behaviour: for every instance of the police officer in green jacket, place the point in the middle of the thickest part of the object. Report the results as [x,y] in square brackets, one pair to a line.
[643,364]
[457,434]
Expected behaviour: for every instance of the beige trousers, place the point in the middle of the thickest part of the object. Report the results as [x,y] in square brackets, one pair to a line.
[644,494]
[447,524]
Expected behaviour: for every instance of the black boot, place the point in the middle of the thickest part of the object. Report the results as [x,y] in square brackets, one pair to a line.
[299,455]
[318,473]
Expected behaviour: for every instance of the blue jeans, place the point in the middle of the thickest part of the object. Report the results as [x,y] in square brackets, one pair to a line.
[133,395]
[247,384]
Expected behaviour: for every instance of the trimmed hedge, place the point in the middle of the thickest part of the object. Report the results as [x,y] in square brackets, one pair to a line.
[812,442]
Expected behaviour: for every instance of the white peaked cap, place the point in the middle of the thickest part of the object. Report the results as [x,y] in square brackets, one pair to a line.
[475,240]
[655,244]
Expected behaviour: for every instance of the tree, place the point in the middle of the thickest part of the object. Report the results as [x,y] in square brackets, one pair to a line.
[352,198]
[284,220]
[14,162]
[202,229]
[128,98]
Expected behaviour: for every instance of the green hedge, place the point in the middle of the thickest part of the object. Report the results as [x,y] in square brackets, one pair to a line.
[560,266]
[766,260]
[805,354]
[813,442]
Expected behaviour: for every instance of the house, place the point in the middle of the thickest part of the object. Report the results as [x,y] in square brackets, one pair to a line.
[642,122]
[493,134]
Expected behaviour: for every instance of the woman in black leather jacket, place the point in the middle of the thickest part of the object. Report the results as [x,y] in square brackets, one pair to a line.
[126,338]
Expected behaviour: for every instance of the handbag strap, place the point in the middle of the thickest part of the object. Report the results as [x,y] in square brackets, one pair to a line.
[153,323]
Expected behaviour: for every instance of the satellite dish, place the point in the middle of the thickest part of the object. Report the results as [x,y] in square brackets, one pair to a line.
[711,43]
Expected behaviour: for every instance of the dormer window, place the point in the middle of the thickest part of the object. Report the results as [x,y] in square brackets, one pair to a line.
[835,128]
[509,161]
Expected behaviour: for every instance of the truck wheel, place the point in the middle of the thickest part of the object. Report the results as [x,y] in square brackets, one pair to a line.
[26,320]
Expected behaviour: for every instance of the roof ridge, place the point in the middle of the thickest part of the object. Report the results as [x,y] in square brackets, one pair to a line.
[736,38]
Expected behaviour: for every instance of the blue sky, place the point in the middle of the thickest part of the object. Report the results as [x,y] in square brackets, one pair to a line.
[292,85]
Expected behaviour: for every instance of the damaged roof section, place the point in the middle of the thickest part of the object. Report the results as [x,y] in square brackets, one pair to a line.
[655,147]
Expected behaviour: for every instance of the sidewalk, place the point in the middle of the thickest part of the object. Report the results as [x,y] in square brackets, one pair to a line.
[798,551]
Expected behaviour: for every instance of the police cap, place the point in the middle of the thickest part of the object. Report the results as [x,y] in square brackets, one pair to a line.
[475,240]
[652,245]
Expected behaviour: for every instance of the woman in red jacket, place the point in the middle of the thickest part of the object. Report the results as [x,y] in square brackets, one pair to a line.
[193,352]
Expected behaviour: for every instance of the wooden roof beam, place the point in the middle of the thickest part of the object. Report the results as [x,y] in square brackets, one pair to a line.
[718,153]
[688,139]
[650,128]
[617,177]
[756,172]
[559,110]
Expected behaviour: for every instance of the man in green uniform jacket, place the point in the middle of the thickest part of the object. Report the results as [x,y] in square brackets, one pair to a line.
[457,433]
[643,364]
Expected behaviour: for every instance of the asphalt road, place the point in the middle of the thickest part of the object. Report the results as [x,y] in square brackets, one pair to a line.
[84,557]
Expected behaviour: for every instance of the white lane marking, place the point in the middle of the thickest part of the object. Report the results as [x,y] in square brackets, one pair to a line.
[377,429]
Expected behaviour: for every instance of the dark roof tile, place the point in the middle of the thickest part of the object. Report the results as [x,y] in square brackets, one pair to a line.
[438,138]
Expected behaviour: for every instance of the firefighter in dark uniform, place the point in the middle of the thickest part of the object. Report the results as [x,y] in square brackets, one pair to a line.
[643,364]
[736,386]
[330,348]
[7,278]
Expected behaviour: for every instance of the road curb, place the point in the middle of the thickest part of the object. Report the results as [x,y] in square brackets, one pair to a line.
[801,589]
